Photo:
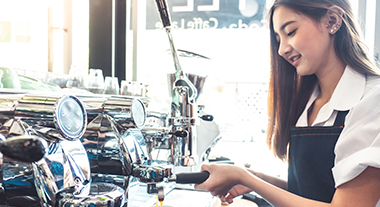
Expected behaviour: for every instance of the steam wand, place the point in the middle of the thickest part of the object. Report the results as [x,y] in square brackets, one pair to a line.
[181,79]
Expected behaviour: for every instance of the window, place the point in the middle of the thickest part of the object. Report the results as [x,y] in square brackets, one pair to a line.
[24,34]
[40,35]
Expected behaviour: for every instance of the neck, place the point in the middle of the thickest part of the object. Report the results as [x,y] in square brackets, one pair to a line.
[328,79]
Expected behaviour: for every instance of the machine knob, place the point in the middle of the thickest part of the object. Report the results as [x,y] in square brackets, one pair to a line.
[207,117]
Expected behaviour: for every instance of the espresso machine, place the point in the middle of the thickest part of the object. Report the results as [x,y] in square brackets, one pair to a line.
[63,176]
[96,153]
[101,148]
[183,141]
[185,135]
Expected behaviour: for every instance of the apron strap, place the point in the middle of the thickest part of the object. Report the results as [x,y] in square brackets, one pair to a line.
[340,118]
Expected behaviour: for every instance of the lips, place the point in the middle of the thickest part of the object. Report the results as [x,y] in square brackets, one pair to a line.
[294,59]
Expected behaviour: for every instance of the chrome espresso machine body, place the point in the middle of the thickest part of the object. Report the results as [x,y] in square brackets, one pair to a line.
[96,155]
[115,145]
[185,135]
[85,139]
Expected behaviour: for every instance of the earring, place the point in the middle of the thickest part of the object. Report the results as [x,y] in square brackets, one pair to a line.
[338,25]
[327,26]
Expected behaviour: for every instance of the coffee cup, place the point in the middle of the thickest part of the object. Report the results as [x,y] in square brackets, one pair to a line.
[10,78]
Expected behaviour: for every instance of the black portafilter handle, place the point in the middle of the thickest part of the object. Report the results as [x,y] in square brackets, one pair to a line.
[24,148]
[181,133]
[190,178]
[164,13]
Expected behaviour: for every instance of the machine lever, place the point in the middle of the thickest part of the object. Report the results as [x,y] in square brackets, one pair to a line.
[190,178]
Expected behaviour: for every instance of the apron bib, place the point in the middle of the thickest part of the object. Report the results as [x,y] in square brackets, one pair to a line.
[311,158]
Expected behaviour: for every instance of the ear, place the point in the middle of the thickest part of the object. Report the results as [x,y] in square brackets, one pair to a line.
[334,19]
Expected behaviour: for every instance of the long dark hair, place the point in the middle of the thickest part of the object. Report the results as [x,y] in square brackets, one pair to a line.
[289,92]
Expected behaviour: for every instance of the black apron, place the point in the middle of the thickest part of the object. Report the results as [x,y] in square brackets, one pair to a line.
[311,159]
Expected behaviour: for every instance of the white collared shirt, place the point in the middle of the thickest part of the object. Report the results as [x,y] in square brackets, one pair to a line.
[359,143]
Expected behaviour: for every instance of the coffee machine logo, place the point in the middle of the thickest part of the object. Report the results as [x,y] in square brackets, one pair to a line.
[209,14]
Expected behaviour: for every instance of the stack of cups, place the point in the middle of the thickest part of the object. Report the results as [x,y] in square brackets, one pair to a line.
[111,86]
[76,77]
[130,88]
[95,81]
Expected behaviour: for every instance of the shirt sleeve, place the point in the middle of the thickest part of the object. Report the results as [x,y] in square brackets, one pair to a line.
[359,143]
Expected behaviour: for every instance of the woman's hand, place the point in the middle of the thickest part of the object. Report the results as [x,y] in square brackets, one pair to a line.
[222,180]
[234,192]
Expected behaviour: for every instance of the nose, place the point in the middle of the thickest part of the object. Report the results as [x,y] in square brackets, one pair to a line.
[284,48]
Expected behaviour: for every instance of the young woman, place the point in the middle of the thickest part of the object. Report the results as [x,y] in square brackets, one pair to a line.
[324,117]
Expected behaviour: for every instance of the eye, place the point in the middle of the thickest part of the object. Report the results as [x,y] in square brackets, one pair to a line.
[291,33]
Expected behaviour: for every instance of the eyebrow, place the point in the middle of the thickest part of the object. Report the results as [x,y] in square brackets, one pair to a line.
[286,24]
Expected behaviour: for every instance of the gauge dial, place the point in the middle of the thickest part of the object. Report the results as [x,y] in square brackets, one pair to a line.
[138,113]
[71,117]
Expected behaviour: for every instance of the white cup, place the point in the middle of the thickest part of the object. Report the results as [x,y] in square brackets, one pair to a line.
[111,86]
[95,81]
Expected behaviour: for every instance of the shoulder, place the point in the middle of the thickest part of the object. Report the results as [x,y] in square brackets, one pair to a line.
[358,144]
[366,112]
[369,103]
[372,83]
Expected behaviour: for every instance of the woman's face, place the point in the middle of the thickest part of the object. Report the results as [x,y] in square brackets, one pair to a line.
[304,43]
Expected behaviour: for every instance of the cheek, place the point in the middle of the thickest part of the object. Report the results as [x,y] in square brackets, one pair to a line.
[313,45]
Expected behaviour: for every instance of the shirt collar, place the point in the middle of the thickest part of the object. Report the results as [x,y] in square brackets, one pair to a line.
[349,90]
[347,93]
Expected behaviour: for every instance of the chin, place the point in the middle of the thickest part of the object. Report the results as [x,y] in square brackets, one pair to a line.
[301,72]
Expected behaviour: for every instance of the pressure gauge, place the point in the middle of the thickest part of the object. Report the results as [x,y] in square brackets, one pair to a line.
[138,113]
[71,117]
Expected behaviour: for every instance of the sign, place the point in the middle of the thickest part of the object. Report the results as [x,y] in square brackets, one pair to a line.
[209,14]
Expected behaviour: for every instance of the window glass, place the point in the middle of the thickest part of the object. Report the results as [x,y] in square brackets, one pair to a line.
[43,35]
[24,34]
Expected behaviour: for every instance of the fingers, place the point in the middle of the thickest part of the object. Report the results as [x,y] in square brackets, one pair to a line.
[204,167]
[199,187]
[216,183]
[202,186]
[228,199]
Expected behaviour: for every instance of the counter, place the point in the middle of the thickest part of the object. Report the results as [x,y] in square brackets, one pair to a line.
[178,197]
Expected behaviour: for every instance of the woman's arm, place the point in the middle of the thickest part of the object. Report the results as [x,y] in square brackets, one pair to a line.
[270,179]
[364,190]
